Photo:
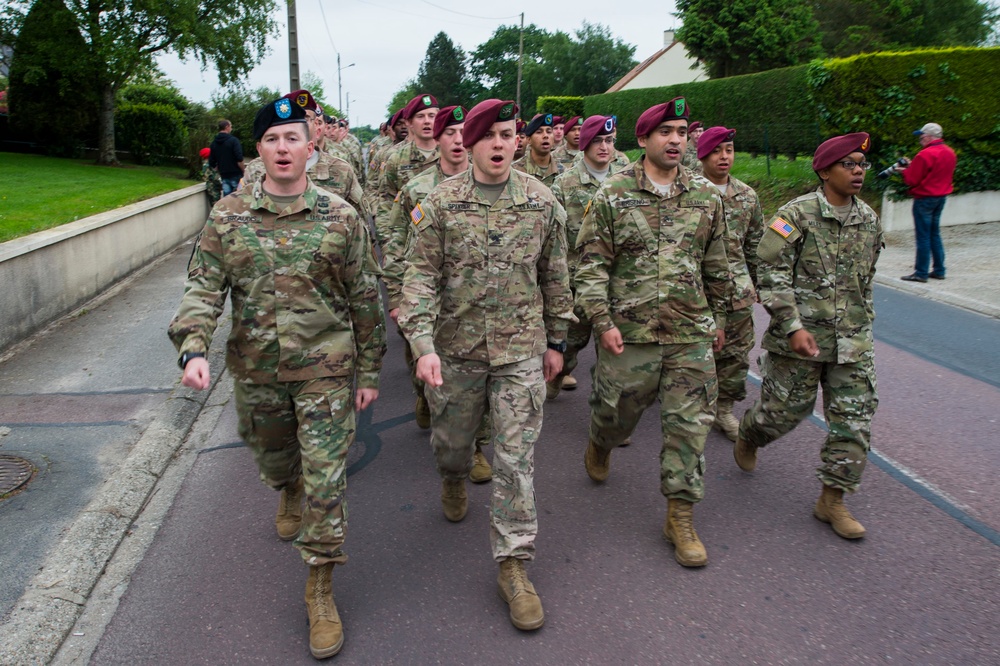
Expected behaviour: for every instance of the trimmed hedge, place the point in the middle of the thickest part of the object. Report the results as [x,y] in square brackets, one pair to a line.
[150,132]
[770,110]
[889,95]
[567,107]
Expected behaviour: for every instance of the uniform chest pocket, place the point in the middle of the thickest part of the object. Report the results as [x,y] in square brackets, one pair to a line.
[247,255]
[633,234]
[515,238]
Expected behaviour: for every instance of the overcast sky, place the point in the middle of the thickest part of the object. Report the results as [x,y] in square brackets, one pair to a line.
[387,39]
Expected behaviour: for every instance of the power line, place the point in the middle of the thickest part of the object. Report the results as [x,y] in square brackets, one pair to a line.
[485,18]
[327,26]
[420,16]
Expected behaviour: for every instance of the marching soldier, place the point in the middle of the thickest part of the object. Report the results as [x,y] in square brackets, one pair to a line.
[567,151]
[537,160]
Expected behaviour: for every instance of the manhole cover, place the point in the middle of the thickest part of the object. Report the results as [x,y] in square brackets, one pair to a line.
[14,473]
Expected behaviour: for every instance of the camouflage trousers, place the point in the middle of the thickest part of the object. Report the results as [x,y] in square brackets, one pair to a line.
[682,377]
[787,396]
[577,339]
[513,396]
[304,428]
[733,362]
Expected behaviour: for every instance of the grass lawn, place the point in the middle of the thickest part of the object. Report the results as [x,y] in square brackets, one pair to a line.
[43,192]
[788,179]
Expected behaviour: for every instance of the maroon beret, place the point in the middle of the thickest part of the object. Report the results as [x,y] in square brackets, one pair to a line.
[395,118]
[446,117]
[521,125]
[833,150]
[482,116]
[573,122]
[693,126]
[419,103]
[652,117]
[711,138]
[558,120]
[304,99]
[595,126]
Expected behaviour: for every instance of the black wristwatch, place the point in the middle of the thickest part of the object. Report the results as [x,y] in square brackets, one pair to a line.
[557,346]
[187,356]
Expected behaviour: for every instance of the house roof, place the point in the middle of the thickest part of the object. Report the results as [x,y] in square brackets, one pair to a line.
[638,69]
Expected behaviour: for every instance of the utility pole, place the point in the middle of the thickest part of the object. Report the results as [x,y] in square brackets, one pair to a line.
[340,99]
[520,63]
[293,47]
[347,113]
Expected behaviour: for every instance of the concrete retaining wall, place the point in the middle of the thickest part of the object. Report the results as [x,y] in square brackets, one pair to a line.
[48,274]
[970,208]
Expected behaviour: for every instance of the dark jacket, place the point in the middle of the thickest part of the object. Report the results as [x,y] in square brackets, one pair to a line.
[226,155]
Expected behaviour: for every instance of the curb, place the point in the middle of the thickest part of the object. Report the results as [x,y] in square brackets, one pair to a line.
[51,603]
[945,297]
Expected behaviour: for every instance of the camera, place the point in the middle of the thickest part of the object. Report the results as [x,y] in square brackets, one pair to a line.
[885,173]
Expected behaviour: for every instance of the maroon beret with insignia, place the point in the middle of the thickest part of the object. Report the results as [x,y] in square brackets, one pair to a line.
[573,122]
[675,109]
[482,116]
[304,99]
[419,103]
[833,150]
[711,138]
[557,120]
[595,126]
[521,125]
[446,117]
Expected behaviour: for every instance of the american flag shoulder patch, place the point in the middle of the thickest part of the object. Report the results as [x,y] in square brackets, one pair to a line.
[417,214]
[782,227]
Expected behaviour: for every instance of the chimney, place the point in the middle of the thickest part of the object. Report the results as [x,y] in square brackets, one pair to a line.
[668,37]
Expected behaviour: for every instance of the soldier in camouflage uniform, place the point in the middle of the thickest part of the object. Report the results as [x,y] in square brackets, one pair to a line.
[306,345]
[211,177]
[397,135]
[537,160]
[486,301]
[574,189]
[408,159]
[691,160]
[745,224]
[568,150]
[349,143]
[653,281]
[817,265]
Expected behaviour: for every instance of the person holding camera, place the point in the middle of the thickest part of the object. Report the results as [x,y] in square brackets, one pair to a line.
[929,176]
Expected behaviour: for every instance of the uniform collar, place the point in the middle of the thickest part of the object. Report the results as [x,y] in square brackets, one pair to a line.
[644,183]
[259,200]
[514,192]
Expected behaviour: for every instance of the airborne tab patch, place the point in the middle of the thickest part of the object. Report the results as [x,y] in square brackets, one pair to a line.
[417,214]
[783,228]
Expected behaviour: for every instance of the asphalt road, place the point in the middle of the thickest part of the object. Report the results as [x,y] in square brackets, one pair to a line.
[218,587]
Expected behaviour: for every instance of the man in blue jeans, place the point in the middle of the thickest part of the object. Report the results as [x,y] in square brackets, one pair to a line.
[929,177]
[227,157]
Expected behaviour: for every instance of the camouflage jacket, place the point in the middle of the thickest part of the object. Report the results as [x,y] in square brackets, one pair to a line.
[328,173]
[528,166]
[487,283]
[816,273]
[565,155]
[303,284]
[406,212]
[745,223]
[357,158]
[401,165]
[213,183]
[574,188]
[340,151]
[618,163]
[690,159]
[654,267]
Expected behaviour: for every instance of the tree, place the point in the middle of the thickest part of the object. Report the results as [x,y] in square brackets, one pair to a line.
[732,37]
[442,71]
[47,74]
[587,65]
[494,64]
[399,99]
[859,26]
[240,107]
[312,82]
[122,38]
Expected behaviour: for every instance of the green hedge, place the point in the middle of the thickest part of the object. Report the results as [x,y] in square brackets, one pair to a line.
[770,110]
[567,107]
[889,95]
[150,132]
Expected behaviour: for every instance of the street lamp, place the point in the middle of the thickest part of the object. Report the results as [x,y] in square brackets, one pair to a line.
[340,99]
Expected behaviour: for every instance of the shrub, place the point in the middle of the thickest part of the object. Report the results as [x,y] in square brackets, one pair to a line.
[567,107]
[150,132]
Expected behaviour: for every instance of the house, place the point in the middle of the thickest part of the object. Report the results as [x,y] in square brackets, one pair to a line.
[668,66]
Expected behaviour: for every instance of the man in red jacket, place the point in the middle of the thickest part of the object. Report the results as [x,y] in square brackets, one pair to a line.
[929,177]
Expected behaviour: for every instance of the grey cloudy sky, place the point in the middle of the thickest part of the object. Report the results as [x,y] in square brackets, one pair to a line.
[387,39]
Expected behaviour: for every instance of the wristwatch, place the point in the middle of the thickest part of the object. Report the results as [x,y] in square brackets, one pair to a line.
[187,356]
[557,346]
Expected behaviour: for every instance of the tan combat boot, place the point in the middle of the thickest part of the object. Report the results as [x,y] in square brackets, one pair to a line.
[727,424]
[679,530]
[326,633]
[568,383]
[830,509]
[454,499]
[598,462]
[289,517]
[481,471]
[525,607]
[745,454]
[423,412]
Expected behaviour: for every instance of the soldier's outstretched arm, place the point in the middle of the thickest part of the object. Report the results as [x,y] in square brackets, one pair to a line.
[419,304]
[595,245]
[778,254]
[715,269]
[553,277]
